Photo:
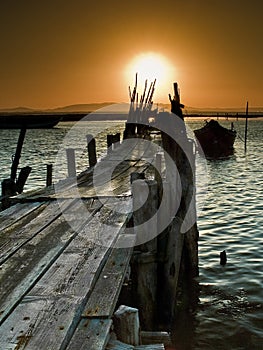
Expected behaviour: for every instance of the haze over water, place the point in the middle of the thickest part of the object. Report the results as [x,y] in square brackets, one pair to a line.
[229,314]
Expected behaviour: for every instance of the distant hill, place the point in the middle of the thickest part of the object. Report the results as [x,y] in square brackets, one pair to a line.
[80,108]
[92,107]
[17,110]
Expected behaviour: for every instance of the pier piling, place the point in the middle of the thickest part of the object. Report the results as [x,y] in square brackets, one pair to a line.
[91,144]
[49,175]
[71,162]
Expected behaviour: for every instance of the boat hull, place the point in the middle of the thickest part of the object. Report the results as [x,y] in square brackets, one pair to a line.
[215,140]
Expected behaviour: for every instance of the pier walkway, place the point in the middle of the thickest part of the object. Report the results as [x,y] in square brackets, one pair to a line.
[61,269]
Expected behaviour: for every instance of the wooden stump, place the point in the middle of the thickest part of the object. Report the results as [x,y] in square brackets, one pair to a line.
[127,325]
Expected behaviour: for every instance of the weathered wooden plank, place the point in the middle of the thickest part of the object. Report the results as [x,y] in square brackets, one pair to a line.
[72,275]
[21,271]
[118,345]
[20,331]
[111,174]
[104,296]
[156,338]
[14,236]
[16,213]
[150,347]
[78,267]
[93,332]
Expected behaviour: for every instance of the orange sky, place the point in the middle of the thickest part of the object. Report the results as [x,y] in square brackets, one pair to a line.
[61,52]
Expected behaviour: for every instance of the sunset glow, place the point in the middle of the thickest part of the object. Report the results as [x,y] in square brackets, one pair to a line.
[151,66]
[52,57]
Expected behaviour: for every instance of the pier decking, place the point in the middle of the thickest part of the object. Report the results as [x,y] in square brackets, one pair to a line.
[61,269]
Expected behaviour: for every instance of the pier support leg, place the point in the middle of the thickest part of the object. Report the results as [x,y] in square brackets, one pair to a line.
[71,162]
[23,175]
[49,175]
[144,264]
[91,144]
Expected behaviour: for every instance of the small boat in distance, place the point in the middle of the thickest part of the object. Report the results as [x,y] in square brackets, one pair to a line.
[28,121]
[215,140]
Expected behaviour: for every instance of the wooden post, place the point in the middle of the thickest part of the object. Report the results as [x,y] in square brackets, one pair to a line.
[178,245]
[71,162]
[145,202]
[246,127]
[109,143]
[144,288]
[49,175]
[127,325]
[144,265]
[23,175]
[8,190]
[116,140]
[19,146]
[91,144]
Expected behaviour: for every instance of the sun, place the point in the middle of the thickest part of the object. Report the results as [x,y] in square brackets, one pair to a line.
[151,66]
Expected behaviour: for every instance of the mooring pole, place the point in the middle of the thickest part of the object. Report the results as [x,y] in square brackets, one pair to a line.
[246,128]
[19,146]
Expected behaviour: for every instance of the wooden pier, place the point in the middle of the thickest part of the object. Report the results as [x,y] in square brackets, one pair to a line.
[66,250]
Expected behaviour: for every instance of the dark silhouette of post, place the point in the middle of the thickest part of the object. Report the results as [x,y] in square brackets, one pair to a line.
[246,128]
[16,159]
[49,175]
[91,144]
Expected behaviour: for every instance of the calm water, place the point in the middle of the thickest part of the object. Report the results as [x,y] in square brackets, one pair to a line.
[229,314]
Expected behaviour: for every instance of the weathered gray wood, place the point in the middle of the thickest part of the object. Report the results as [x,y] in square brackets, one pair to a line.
[104,296]
[20,271]
[21,329]
[118,345]
[150,347]
[71,162]
[71,276]
[149,338]
[15,213]
[145,202]
[14,236]
[91,335]
[144,272]
[127,325]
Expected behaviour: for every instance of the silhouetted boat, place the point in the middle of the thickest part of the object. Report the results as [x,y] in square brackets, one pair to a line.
[215,140]
[32,121]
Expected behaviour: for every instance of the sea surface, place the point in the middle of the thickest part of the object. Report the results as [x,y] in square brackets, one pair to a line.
[229,314]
